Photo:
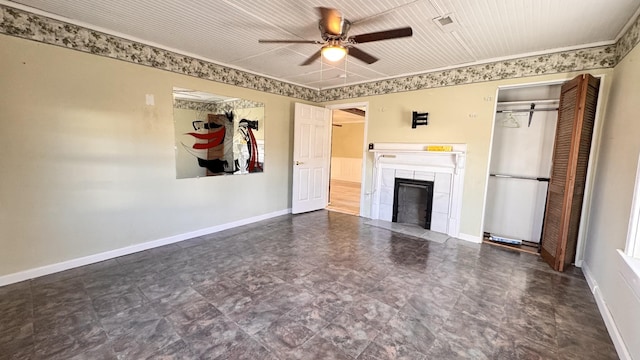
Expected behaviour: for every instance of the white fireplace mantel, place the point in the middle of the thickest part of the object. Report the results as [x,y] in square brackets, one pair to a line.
[445,168]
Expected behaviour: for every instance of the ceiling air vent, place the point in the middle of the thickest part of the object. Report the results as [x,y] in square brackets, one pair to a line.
[447,23]
[444,21]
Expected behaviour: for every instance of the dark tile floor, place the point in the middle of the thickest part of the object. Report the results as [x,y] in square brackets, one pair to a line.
[313,286]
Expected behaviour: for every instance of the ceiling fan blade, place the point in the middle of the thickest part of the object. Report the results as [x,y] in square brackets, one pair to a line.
[382,35]
[289,42]
[362,56]
[331,20]
[366,19]
[312,58]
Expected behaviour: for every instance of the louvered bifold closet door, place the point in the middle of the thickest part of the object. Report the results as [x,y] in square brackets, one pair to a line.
[582,151]
[552,229]
[574,131]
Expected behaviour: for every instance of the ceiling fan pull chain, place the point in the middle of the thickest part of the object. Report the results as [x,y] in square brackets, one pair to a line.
[321,72]
[345,70]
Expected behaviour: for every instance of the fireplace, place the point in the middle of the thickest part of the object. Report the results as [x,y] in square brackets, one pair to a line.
[444,169]
[413,202]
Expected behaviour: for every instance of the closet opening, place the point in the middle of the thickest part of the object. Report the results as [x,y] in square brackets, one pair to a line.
[539,184]
[520,166]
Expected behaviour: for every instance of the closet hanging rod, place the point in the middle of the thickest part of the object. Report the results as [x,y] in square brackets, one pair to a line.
[520,177]
[526,110]
[530,111]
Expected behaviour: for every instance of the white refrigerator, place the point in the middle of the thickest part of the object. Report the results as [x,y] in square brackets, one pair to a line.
[520,165]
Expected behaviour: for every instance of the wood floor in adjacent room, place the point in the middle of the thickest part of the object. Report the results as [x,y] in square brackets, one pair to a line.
[319,285]
[344,196]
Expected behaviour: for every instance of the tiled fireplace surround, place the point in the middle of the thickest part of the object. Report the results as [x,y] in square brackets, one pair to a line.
[411,161]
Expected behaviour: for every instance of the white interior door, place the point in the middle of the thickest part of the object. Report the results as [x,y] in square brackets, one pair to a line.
[311,157]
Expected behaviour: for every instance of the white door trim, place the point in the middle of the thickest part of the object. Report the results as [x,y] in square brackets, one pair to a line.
[365,148]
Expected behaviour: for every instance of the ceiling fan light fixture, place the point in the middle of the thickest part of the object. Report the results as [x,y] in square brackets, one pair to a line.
[336,42]
[334,53]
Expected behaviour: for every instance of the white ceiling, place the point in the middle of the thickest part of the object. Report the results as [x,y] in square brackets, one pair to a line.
[227,31]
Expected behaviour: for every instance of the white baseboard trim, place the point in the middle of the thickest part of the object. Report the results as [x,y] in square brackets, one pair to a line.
[609,322]
[470,238]
[86,260]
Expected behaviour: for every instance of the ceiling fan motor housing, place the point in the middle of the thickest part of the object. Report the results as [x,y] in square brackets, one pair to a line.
[345,25]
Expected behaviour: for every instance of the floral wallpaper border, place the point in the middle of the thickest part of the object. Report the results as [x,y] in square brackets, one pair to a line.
[216,107]
[31,26]
[629,40]
[567,61]
[19,23]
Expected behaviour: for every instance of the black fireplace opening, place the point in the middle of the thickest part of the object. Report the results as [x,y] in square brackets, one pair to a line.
[412,202]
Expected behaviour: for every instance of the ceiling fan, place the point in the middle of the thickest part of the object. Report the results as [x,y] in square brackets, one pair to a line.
[335,40]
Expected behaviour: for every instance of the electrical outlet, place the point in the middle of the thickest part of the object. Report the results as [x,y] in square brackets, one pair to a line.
[473,115]
[488,98]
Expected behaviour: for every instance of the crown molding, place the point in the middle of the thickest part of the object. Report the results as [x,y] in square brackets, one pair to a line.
[50,29]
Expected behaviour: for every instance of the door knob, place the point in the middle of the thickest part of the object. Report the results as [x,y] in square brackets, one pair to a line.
[299,163]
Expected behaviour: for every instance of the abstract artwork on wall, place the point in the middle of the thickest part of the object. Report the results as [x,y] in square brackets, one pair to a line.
[217,135]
